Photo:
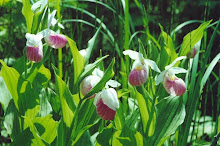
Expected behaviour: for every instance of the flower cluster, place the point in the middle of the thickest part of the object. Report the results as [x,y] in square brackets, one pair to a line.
[34,42]
[139,73]
[106,101]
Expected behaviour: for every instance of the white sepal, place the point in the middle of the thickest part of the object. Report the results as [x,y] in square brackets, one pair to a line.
[174,62]
[132,54]
[177,70]
[113,83]
[152,65]
[160,77]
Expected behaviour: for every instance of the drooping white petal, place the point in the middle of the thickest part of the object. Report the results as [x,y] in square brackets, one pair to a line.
[174,62]
[113,83]
[160,77]
[35,6]
[51,18]
[132,54]
[177,70]
[152,65]
[110,98]
[98,72]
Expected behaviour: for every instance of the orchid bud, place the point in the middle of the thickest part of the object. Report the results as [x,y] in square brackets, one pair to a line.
[106,103]
[34,47]
[139,73]
[88,83]
[55,40]
[173,85]
[192,53]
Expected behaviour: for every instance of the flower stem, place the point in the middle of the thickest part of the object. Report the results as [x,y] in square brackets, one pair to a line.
[60,61]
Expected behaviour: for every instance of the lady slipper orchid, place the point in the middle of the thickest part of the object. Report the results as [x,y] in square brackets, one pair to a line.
[106,103]
[34,47]
[53,39]
[173,85]
[139,72]
[194,50]
[90,81]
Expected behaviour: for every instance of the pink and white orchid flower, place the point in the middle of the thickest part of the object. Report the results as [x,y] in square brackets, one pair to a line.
[173,85]
[139,72]
[106,103]
[34,47]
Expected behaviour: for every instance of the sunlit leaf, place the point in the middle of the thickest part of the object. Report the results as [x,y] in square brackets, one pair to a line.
[192,38]
[145,107]
[46,127]
[28,14]
[169,46]
[91,45]
[5,95]
[11,76]
[78,60]
[66,99]
[37,139]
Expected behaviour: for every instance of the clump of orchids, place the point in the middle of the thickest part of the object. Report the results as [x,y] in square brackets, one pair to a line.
[34,41]
[106,101]
[139,73]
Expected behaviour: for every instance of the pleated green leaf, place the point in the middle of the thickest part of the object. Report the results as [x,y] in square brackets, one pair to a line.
[28,14]
[192,38]
[128,137]
[78,61]
[170,114]
[11,76]
[46,127]
[169,46]
[148,116]
[66,99]
[5,95]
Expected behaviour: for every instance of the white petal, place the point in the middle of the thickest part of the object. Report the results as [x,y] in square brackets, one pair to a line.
[160,78]
[98,72]
[51,17]
[152,65]
[113,83]
[43,4]
[35,6]
[60,25]
[174,62]
[177,70]
[132,54]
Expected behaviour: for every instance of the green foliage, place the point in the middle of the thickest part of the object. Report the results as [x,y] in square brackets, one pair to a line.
[43,105]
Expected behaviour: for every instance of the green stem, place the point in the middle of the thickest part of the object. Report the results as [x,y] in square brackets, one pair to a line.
[60,60]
